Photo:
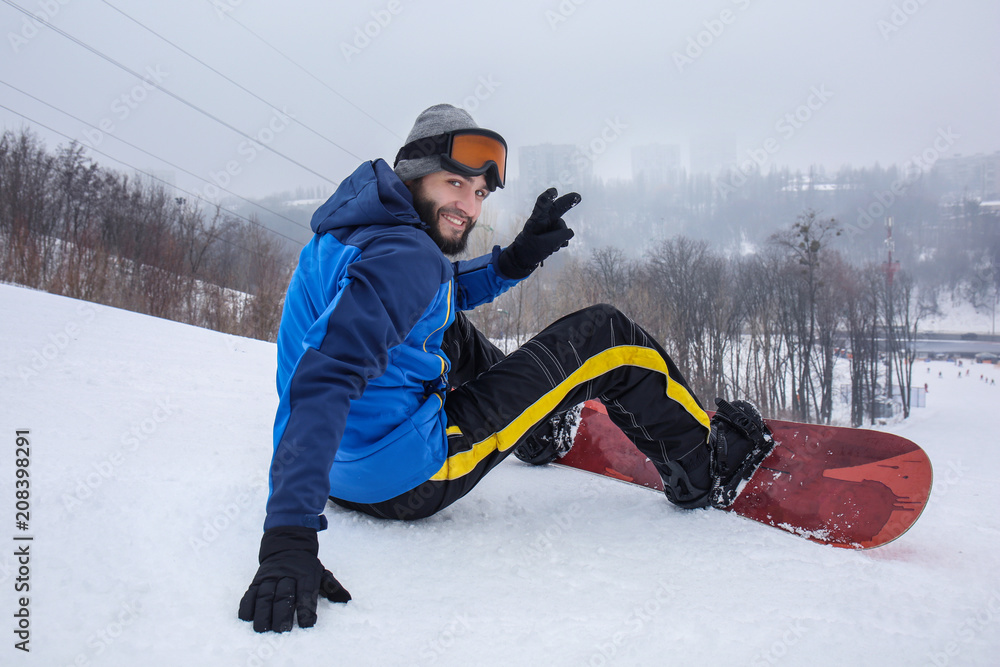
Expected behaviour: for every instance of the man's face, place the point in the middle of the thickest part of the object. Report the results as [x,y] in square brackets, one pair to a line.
[450,205]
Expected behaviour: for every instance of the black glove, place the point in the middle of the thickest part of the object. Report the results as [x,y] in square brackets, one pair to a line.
[544,232]
[290,580]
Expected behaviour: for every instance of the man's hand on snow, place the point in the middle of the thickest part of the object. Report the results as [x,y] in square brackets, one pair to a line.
[289,581]
[544,233]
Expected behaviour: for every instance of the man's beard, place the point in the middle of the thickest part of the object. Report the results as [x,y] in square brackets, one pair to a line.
[432,217]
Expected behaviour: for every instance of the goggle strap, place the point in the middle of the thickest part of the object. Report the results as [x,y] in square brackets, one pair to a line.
[433,145]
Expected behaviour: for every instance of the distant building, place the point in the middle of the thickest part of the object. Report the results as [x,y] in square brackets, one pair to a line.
[656,165]
[711,154]
[548,165]
[973,175]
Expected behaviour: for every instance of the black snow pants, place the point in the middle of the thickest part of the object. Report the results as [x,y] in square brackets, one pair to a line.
[596,353]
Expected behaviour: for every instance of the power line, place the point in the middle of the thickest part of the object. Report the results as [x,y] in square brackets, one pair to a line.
[155,157]
[244,89]
[157,178]
[307,72]
[158,86]
[193,194]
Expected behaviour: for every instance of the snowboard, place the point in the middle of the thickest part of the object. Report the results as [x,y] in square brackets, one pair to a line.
[845,487]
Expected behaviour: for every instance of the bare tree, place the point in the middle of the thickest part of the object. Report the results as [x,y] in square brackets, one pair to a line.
[689,285]
[861,315]
[610,275]
[758,361]
[269,269]
[806,244]
[903,313]
[26,218]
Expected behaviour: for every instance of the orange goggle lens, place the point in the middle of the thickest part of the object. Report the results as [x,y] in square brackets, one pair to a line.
[476,151]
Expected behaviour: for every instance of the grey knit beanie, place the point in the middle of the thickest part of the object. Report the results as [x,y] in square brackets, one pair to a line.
[438,119]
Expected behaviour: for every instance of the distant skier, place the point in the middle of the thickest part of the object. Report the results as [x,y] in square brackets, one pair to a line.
[393,404]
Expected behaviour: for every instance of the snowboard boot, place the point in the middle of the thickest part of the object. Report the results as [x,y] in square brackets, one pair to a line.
[738,442]
[551,440]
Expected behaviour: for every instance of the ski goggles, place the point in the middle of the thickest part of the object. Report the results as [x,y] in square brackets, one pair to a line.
[464,152]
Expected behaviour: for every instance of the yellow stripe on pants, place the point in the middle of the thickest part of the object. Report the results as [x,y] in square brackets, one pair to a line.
[462,463]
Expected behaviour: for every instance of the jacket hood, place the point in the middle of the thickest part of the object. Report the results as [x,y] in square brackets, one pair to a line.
[372,195]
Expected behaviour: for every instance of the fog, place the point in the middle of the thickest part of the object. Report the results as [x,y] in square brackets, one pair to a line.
[794,84]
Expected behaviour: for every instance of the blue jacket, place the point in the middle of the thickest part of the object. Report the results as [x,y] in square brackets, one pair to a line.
[361,375]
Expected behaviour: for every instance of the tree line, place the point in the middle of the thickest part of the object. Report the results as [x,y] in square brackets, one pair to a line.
[70,227]
[767,325]
[947,235]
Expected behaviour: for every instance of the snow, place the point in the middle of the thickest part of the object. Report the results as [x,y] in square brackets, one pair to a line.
[150,442]
[959,317]
[305,203]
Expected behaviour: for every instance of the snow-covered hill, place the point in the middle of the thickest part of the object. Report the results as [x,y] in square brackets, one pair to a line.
[149,444]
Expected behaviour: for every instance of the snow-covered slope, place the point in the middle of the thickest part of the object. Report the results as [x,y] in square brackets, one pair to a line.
[959,317]
[150,442]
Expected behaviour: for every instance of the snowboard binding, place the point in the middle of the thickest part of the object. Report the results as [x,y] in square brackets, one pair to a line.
[551,441]
[738,443]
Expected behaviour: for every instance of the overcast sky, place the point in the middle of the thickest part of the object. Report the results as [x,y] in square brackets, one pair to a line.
[833,83]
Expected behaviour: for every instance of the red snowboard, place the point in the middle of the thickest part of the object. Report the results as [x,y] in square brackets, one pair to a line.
[849,488]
